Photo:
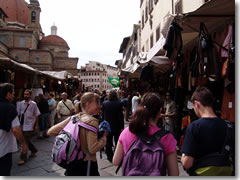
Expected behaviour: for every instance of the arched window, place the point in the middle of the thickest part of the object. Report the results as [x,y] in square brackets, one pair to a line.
[33,16]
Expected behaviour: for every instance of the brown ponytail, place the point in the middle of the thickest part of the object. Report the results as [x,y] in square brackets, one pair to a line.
[148,109]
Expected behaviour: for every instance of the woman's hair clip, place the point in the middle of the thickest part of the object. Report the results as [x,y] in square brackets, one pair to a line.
[145,107]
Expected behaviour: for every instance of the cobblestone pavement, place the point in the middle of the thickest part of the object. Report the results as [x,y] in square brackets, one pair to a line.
[42,164]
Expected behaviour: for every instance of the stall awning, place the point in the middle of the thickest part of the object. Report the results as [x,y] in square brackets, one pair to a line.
[60,75]
[214,14]
[132,68]
[6,62]
[157,49]
[160,63]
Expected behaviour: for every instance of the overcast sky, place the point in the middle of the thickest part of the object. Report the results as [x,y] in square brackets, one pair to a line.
[93,29]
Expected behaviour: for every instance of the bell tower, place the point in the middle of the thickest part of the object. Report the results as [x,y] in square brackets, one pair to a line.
[34,15]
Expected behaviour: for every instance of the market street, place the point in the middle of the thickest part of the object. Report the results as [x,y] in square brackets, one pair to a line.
[42,164]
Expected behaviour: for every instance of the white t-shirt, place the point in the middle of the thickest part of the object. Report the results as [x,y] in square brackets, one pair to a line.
[8,143]
[135,102]
[30,115]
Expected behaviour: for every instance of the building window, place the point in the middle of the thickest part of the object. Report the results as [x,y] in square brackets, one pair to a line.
[33,16]
[151,41]
[146,13]
[158,33]
[37,59]
[4,39]
[150,6]
[17,58]
[142,19]
[21,42]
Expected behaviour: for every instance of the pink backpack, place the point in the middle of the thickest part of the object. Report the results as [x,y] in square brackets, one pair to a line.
[66,151]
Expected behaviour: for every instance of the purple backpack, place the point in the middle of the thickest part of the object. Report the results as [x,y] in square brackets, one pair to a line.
[145,157]
[66,151]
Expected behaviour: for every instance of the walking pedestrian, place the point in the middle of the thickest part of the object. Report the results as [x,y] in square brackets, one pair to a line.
[89,140]
[65,108]
[9,129]
[112,112]
[103,97]
[52,109]
[29,113]
[135,101]
[43,117]
[144,123]
[204,136]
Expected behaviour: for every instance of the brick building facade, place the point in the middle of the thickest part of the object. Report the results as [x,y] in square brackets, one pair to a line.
[21,37]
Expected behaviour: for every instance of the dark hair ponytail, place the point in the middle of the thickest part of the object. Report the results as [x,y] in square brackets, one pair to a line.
[140,121]
[149,107]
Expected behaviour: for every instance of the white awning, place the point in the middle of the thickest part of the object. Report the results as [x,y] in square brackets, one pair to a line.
[157,48]
[7,62]
[60,75]
[132,68]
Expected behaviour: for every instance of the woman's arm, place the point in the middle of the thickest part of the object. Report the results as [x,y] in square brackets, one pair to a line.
[172,164]
[118,154]
[54,130]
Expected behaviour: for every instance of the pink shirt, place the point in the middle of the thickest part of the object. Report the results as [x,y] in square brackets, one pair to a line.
[168,141]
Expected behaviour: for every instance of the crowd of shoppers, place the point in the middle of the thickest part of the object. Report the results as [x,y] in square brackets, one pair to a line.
[46,117]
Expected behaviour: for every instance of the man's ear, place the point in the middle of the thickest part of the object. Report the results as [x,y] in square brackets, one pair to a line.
[197,103]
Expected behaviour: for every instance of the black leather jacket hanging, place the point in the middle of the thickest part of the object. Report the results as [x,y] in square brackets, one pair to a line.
[173,43]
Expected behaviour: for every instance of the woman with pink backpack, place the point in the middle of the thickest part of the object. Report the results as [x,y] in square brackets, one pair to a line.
[143,148]
[90,142]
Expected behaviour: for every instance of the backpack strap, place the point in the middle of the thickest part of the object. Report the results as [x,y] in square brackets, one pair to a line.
[88,127]
[159,134]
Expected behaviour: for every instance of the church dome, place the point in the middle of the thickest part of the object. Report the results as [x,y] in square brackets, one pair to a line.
[54,39]
[16,10]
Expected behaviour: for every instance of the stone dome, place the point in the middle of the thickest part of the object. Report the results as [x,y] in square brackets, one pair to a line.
[54,39]
[16,10]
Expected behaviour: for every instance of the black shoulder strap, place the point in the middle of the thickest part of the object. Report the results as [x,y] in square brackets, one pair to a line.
[66,106]
[159,134]
[26,109]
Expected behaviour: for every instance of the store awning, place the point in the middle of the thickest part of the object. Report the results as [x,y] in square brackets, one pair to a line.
[132,68]
[215,14]
[160,63]
[157,49]
[6,62]
[60,75]
[133,71]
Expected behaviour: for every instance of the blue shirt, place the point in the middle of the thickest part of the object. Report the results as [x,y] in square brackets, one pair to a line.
[51,103]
